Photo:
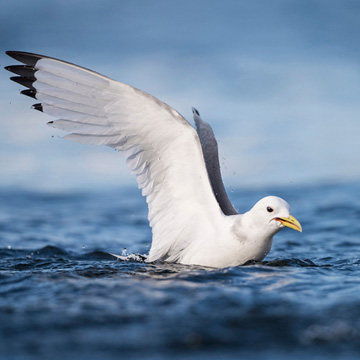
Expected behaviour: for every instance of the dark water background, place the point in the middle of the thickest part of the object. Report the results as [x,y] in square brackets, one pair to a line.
[63,296]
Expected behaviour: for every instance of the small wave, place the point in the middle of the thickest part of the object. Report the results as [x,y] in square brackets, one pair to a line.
[284,262]
[50,250]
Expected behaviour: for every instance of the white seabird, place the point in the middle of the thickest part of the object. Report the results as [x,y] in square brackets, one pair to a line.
[176,166]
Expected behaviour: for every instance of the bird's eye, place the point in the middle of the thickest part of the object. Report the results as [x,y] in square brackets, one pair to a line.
[269,209]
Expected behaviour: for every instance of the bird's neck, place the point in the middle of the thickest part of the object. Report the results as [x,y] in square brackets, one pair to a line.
[254,240]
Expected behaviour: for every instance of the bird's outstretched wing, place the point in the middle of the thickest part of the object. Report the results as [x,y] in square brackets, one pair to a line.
[211,156]
[162,149]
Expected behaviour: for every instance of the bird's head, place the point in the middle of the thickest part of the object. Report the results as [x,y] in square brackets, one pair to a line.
[271,214]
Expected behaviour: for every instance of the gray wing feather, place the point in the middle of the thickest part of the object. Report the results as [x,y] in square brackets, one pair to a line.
[211,156]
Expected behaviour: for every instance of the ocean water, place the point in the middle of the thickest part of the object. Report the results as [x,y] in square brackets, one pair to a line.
[62,296]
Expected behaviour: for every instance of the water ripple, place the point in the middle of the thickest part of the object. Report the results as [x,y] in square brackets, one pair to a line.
[63,295]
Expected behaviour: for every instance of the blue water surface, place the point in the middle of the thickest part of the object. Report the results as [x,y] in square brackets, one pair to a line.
[62,296]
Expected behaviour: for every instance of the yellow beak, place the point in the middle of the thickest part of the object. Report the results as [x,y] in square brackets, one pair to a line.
[290,222]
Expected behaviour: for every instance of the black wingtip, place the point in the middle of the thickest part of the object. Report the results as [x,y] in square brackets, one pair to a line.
[195,112]
[22,70]
[23,81]
[25,57]
[37,107]
[29,92]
